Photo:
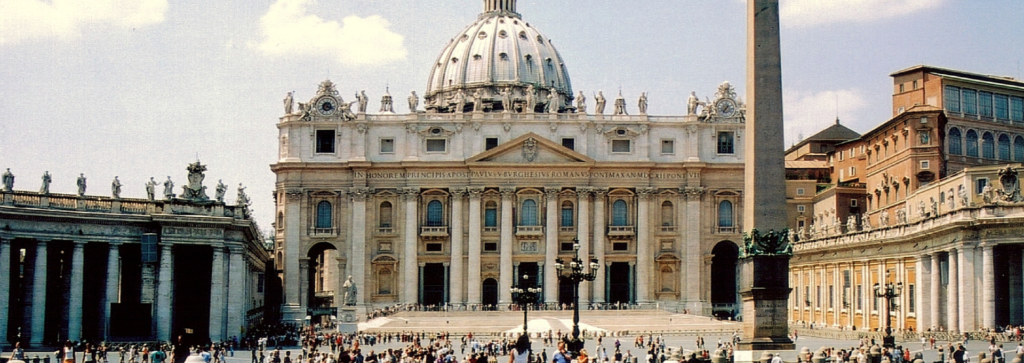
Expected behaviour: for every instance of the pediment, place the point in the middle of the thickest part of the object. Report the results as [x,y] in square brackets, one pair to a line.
[530,149]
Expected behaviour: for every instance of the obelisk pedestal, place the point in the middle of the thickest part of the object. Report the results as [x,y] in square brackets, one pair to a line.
[764,257]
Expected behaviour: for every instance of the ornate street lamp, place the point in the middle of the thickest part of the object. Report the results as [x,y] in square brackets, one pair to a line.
[890,291]
[575,275]
[525,297]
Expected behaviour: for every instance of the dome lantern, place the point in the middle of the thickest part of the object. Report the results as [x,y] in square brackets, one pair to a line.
[500,6]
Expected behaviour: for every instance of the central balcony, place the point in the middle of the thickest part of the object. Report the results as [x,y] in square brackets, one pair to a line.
[529,230]
[323,232]
[434,232]
[621,231]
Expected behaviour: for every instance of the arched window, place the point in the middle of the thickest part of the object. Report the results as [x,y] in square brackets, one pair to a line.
[1018,148]
[972,143]
[1004,147]
[323,214]
[725,214]
[385,215]
[529,213]
[567,214]
[491,214]
[435,214]
[955,141]
[619,213]
[988,146]
[666,213]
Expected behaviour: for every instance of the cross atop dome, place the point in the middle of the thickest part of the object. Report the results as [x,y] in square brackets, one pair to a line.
[500,6]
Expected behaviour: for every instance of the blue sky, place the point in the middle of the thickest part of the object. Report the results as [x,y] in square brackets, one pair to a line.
[139,88]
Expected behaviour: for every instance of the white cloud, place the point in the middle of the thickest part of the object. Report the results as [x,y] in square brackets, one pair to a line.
[807,13]
[22,20]
[289,30]
[808,113]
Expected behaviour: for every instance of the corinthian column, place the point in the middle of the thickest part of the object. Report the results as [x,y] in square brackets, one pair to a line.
[473,278]
[691,250]
[357,257]
[551,246]
[75,301]
[583,235]
[643,245]
[505,278]
[599,235]
[456,275]
[409,263]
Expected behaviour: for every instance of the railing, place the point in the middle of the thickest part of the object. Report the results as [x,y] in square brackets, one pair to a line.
[569,229]
[853,185]
[62,202]
[727,230]
[529,230]
[668,229]
[491,229]
[385,230]
[99,205]
[621,230]
[321,231]
[27,200]
[133,207]
[434,231]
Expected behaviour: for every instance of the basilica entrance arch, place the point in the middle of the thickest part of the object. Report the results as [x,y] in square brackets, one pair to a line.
[724,298]
[434,283]
[323,278]
[490,294]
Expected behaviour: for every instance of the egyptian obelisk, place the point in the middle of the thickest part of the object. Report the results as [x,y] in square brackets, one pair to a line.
[764,264]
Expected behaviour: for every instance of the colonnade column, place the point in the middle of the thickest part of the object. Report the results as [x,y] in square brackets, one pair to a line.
[303,287]
[38,296]
[5,288]
[113,278]
[236,294]
[583,235]
[643,244]
[953,297]
[217,287]
[882,306]
[936,286]
[357,257]
[923,268]
[411,267]
[988,301]
[967,296]
[505,269]
[455,291]
[292,232]
[551,246]
[75,295]
[163,294]
[869,295]
[599,236]
[473,273]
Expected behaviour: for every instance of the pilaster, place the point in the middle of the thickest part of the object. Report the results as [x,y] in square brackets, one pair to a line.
[75,298]
[473,283]
[923,269]
[551,244]
[410,287]
[643,245]
[236,293]
[292,233]
[357,254]
[454,284]
[691,251]
[967,295]
[600,291]
[505,268]
[583,235]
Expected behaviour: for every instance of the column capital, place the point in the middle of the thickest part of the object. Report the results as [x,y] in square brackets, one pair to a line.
[80,243]
[446,264]
[645,193]
[410,194]
[552,192]
[293,195]
[166,246]
[600,193]
[692,193]
[421,264]
[475,192]
[507,192]
[458,192]
[359,194]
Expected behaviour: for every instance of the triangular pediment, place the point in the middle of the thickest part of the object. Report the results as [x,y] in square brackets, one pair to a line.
[530,149]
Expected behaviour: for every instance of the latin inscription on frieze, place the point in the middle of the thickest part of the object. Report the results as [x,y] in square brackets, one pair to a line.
[514,175]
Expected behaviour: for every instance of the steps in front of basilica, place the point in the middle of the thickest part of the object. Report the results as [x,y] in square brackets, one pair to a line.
[492,322]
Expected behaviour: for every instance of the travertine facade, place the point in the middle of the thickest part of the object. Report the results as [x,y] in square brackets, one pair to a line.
[496,180]
[83,267]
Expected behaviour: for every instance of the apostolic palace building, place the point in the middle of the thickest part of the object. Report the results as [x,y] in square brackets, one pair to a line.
[499,173]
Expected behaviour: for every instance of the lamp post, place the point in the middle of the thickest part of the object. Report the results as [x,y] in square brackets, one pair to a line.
[889,292]
[575,275]
[524,297]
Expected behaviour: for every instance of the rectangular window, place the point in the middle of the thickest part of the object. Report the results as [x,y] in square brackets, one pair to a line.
[979,185]
[567,217]
[725,142]
[490,143]
[853,203]
[565,246]
[952,98]
[799,191]
[569,143]
[491,217]
[853,171]
[970,101]
[436,145]
[325,141]
[915,84]
[800,224]
[260,281]
[491,247]
[387,146]
[668,147]
[985,103]
[901,88]
[801,208]
[1017,109]
[1002,106]
[831,297]
[911,299]
[817,297]
[807,296]
[620,246]
[434,247]
[925,164]
[859,298]
[620,146]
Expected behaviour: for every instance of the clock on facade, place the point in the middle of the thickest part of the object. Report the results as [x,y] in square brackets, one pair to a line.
[326,106]
[725,107]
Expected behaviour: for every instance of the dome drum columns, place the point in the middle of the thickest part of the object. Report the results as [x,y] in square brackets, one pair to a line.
[494,100]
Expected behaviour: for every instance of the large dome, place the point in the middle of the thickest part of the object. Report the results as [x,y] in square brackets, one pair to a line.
[498,52]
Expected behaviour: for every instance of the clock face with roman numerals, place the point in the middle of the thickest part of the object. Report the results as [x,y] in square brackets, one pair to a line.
[326,106]
[725,107]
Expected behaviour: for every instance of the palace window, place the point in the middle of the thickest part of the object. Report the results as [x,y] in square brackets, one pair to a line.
[970,101]
[490,143]
[621,146]
[860,297]
[972,143]
[925,164]
[799,191]
[325,141]
[1018,148]
[979,185]
[437,145]
[569,143]
[323,214]
[955,147]
[490,247]
[666,213]
[529,213]
[911,299]
[1017,109]
[952,98]
[385,215]
[435,214]
[988,147]
[491,214]
[567,214]
[985,104]
[725,142]
[1002,106]
[1004,147]
[619,211]
[387,146]
[725,214]
[668,147]
[801,208]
